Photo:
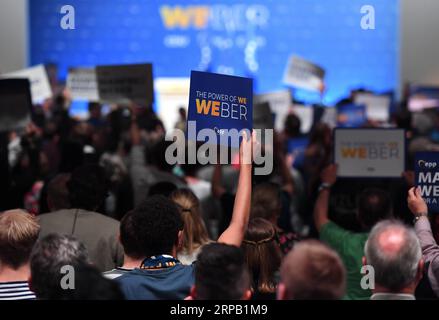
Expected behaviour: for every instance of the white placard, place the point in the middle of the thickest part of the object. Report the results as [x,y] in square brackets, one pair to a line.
[280,104]
[377,106]
[39,82]
[369,153]
[304,74]
[82,84]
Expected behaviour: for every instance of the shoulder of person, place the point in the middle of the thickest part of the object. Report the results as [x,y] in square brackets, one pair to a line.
[54,214]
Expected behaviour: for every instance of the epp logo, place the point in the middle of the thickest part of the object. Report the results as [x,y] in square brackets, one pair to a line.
[219,131]
[426,165]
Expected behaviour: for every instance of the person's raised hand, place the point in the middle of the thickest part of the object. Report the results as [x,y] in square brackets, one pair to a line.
[329,174]
[409,177]
[246,148]
[415,201]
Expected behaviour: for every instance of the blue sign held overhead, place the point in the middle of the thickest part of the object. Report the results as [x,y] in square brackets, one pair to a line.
[427,178]
[221,103]
[351,116]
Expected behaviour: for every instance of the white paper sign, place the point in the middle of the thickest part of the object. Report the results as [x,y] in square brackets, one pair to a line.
[82,84]
[280,104]
[39,81]
[377,106]
[125,83]
[370,153]
[304,74]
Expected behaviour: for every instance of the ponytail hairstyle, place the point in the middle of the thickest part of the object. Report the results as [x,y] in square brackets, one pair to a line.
[262,254]
[194,232]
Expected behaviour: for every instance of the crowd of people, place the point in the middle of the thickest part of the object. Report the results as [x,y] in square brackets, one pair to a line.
[96,198]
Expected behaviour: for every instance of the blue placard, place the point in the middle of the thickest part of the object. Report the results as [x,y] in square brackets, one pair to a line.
[219,102]
[297,147]
[427,177]
[351,116]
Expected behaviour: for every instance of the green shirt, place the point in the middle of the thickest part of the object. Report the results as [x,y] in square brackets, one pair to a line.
[350,247]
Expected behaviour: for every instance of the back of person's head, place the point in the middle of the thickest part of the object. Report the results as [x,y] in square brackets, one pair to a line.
[87,187]
[157,155]
[182,112]
[374,205]
[72,155]
[152,228]
[403,119]
[194,233]
[394,251]
[292,125]
[89,284]
[266,202]
[49,255]
[262,254]
[321,134]
[57,192]
[221,274]
[18,233]
[162,188]
[94,108]
[312,271]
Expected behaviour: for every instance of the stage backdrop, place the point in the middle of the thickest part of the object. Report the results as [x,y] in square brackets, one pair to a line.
[251,38]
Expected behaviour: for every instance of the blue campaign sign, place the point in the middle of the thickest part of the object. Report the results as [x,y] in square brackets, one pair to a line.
[427,177]
[297,147]
[351,115]
[219,102]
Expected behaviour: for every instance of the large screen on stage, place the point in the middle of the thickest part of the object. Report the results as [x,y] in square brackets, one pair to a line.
[251,38]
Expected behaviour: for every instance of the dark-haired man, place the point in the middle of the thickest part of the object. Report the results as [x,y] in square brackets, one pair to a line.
[87,190]
[374,205]
[221,274]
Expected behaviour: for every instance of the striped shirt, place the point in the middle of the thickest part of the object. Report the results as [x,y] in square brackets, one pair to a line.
[18,290]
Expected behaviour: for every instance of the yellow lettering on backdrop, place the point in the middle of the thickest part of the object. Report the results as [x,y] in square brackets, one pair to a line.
[184,17]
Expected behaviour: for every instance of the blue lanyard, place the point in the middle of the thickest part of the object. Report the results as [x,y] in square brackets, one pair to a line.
[159,262]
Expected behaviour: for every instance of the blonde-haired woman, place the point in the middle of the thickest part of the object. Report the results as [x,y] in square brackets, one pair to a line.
[195,233]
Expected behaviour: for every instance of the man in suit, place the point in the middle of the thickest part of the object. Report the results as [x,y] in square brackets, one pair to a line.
[87,190]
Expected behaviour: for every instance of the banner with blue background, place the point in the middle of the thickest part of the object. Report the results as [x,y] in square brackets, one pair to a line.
[220,102]
[427,178]
[252,38]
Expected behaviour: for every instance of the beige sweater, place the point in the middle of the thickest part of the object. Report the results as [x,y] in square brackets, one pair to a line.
[97,232]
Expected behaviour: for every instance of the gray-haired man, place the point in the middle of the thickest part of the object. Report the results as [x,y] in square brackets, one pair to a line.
[394,252]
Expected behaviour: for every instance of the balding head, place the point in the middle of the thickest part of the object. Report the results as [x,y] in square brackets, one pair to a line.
[312,271]
[18,233]
[393,250]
